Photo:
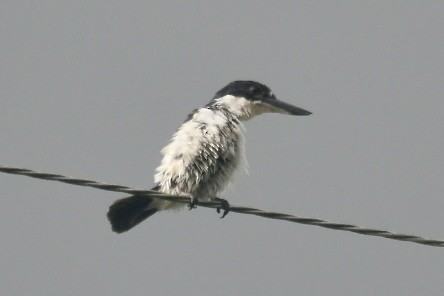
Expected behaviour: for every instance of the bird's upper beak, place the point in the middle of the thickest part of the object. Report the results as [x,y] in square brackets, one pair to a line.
[277,106]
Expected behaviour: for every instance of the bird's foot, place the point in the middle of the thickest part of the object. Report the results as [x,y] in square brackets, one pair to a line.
[192,204]
[224,206]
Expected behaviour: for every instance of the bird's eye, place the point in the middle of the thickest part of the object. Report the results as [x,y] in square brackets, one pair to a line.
[255,91]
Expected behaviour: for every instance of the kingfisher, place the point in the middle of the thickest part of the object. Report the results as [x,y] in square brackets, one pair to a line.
[203,154]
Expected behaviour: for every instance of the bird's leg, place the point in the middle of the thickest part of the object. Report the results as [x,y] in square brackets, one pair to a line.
[224,206]
[192,204]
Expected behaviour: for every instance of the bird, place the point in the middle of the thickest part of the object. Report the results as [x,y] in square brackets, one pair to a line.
[204,152]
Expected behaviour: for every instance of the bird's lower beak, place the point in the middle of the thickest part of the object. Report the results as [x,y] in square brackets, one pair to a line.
[284,108]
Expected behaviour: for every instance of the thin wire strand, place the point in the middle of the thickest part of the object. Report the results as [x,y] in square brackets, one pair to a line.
[217,204]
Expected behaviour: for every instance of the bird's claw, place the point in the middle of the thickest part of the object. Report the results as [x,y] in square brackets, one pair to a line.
[192,204]
[224,206]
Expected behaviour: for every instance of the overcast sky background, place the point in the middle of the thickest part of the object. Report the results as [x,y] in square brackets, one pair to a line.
[94,89]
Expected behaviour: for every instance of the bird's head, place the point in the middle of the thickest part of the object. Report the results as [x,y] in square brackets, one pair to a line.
[247,99]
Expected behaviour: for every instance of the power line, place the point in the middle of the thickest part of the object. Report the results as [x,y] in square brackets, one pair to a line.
[217,204]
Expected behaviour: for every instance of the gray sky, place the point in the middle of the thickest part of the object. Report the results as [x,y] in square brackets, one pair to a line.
[95,89]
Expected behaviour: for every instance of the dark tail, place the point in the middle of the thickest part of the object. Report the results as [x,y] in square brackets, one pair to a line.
[127,212]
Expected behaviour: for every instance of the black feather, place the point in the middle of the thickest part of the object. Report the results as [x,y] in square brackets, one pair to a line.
[127,212]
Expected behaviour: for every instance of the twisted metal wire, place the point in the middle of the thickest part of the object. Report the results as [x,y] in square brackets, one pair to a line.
[218,204]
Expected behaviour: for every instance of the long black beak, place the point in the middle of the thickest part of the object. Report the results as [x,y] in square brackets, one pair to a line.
[284,108]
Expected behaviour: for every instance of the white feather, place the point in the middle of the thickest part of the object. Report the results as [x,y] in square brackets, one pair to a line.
[204,152]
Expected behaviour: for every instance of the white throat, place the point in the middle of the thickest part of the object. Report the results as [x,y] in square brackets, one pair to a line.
[242,108]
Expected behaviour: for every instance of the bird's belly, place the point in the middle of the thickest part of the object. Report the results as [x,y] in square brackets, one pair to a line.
[202,174]
[202,156]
